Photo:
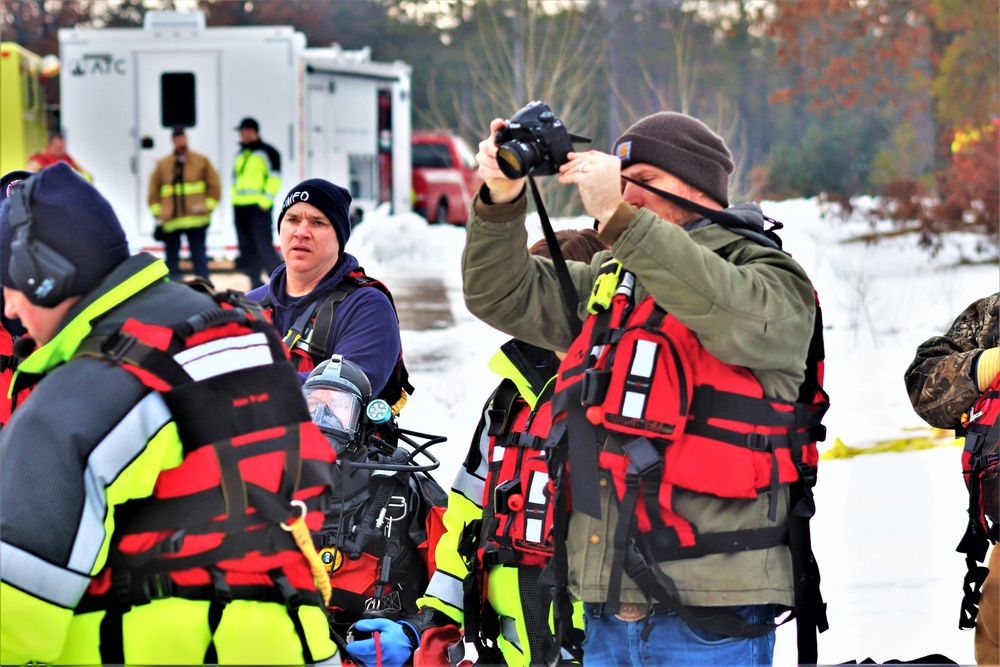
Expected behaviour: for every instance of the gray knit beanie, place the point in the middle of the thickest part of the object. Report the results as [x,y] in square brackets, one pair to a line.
[682,146]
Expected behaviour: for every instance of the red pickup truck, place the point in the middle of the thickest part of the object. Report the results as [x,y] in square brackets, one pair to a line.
[445,176]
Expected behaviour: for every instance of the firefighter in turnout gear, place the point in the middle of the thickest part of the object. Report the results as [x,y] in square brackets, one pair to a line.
[377,539]
[256,182]
[499,519]
[686,412]
[159,483]
[184,189]
[954,382]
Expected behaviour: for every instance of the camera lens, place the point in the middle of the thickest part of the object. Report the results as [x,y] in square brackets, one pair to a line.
[517,158]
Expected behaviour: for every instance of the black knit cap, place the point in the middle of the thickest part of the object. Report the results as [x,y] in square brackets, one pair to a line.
[682,146]
[74,219]
[333,200]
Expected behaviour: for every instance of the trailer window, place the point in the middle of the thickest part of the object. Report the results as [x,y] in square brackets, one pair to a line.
[177,99]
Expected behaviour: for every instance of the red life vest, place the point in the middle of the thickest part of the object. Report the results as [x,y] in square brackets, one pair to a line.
[981,459]
[981,470]
[252,460]
[517,512]
[639,397]
[711,424]
[7,365]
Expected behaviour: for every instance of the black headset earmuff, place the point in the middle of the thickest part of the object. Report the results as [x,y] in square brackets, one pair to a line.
[42,274]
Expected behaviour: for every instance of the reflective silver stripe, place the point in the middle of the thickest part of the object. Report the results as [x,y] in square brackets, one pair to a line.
[40,578]
[484,448]
[113,454]
[634,402]
[536,488]
[508,629]
[472,485]
[469,486]
[446,588]
[225,355]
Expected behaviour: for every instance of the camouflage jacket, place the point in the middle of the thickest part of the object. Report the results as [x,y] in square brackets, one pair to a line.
[941,379]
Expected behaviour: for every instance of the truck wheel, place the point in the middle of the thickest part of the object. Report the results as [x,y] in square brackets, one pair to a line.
[441,215]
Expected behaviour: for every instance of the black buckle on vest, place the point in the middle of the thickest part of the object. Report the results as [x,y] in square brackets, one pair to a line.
[288,593]
[594,386]
[118,345]
[155,587]
[758,442]
[642,456]
[806,472]
[7,361]
[220,589]
[527,441]
[172,544]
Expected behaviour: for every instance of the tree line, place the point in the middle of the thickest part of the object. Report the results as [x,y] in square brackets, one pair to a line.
[831,98]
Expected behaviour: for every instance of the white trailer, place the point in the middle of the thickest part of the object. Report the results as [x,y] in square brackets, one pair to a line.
[331,113]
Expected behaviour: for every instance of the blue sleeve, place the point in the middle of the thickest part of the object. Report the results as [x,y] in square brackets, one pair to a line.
[365,330]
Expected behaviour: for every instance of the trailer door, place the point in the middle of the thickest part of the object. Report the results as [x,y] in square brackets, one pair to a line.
[178,88]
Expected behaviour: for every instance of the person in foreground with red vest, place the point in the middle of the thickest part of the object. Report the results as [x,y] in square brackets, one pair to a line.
[954,383]
[492,555]
[55,151]
[148,513]
[318,277]
[677,541]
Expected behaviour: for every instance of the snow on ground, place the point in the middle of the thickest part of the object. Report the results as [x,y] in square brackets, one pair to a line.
[887,524]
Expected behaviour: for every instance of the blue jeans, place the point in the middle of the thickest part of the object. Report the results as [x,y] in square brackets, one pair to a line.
[196,245]
[613,642]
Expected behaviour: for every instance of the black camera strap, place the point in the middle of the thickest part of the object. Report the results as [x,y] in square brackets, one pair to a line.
[570,297]
[721,218]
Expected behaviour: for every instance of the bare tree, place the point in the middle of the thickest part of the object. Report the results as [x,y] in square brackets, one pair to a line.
[519,53]
[677,83]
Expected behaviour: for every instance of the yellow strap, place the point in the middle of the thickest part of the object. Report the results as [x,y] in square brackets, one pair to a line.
[400,404]
[303,538]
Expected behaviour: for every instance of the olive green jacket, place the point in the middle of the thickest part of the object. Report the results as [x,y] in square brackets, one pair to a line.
[750,305]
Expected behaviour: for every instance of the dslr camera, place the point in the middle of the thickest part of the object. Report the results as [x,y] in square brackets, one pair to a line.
[533,141]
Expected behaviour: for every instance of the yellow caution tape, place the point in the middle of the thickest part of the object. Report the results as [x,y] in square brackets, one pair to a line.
[929,438]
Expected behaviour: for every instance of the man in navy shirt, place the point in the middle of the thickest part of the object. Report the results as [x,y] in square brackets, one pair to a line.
[320,300]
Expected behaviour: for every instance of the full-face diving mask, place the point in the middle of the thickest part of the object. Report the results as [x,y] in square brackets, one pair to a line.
[337,392]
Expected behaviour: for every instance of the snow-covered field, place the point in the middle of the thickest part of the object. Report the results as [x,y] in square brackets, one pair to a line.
[887,524]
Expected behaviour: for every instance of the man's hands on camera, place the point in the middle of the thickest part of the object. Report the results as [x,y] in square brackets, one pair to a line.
[598,177]
[502,189]
[596,174]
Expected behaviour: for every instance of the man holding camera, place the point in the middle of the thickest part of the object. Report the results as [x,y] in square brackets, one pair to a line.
[677,540]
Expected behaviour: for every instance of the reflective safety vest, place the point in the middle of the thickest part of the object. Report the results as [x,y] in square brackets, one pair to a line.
[256,175]
[255,467]
[681,419]
[306,338]
[517,512]
[981,470]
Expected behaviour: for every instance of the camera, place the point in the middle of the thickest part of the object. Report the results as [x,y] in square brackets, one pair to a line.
[534,141]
